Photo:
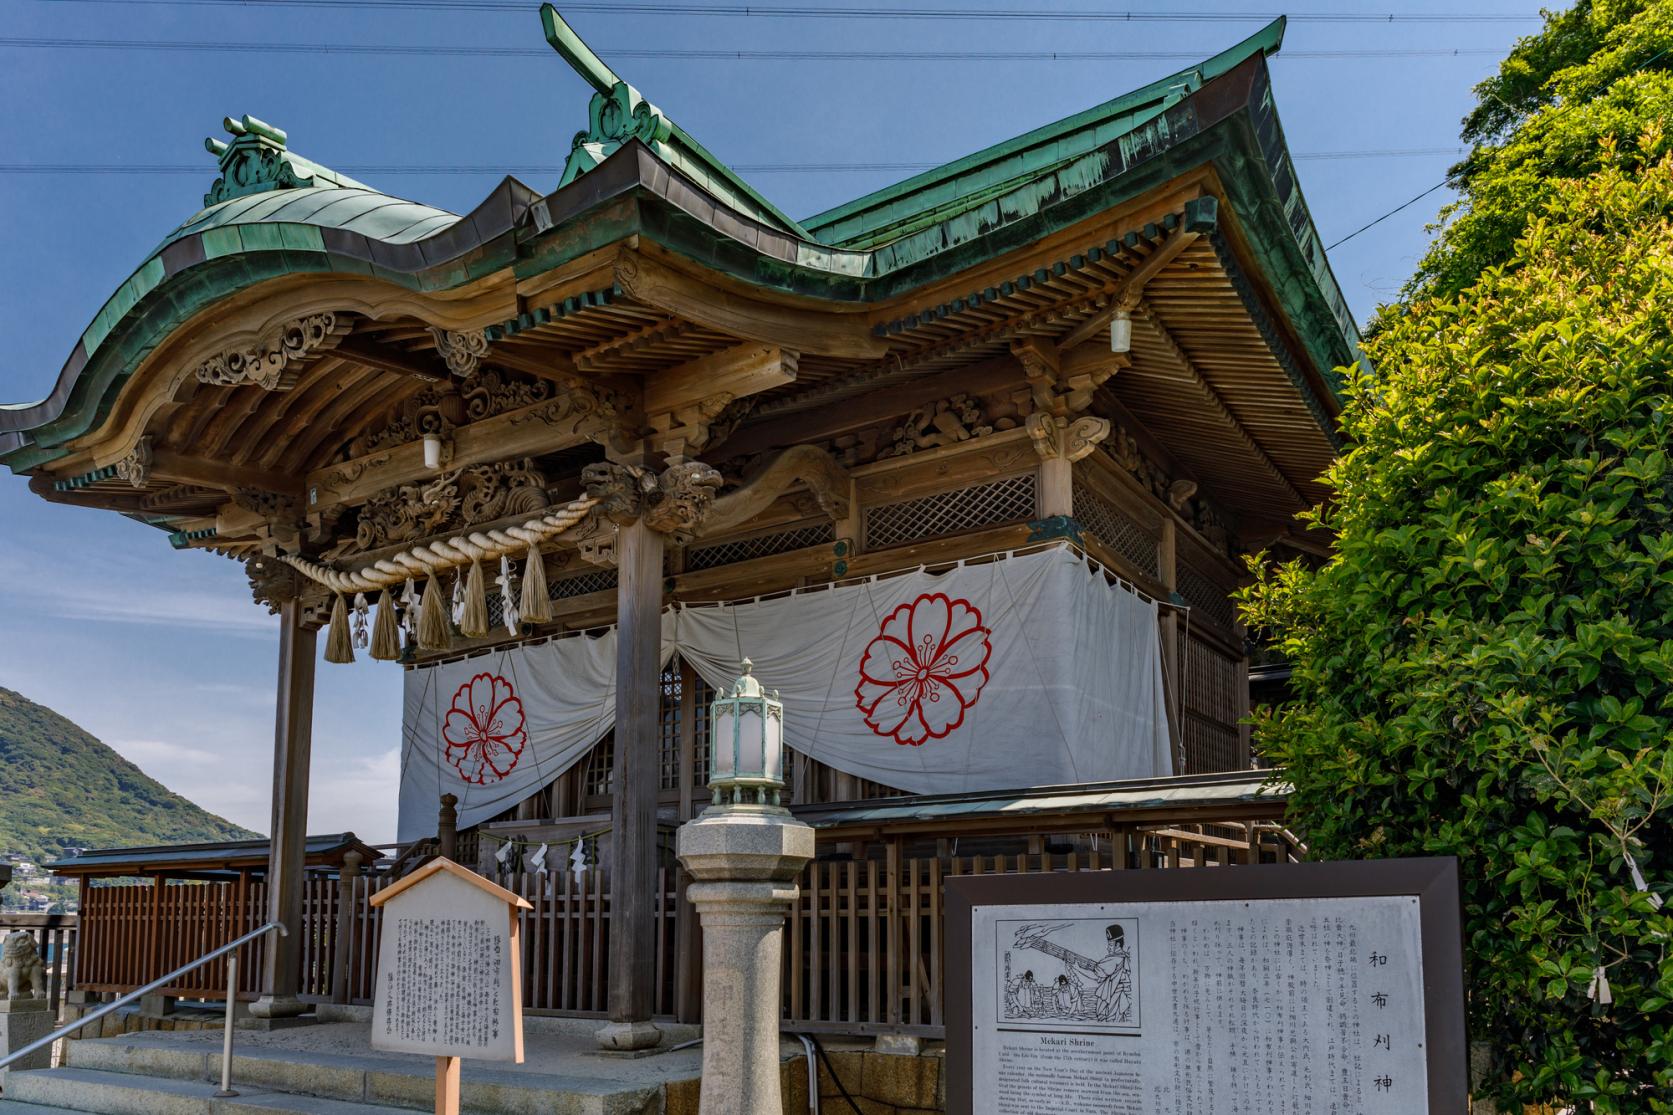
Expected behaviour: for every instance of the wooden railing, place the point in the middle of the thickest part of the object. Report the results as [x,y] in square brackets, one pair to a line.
[865,944]
[134,932]
[55,939]
[866,938]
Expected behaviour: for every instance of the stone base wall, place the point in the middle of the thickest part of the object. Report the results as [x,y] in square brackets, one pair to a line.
[880,1083]
[130,1021]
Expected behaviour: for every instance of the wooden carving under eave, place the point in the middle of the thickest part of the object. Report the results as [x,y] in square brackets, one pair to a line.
[272,582]
[808,465]
[671,502]
[462,351]
[452,501]
[1056,387]
[945,422]
[135,468]
[1060,439]
[275,362]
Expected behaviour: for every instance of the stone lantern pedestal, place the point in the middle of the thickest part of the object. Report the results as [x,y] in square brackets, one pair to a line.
[23,1021]
[745,860]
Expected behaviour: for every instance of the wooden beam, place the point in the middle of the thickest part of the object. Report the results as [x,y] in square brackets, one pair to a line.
[891,400]
[363,351]
[715,306]
[1130,287]
[557,423]
[734,372]
[177,468]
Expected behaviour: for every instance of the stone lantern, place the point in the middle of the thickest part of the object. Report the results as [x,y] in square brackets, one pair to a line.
[746,743]
[744,852]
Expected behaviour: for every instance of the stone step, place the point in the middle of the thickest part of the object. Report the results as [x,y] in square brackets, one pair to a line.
[393,1081]
[18,1107]
[120,1093]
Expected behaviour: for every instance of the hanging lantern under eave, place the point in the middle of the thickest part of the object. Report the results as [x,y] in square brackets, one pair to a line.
[746,744]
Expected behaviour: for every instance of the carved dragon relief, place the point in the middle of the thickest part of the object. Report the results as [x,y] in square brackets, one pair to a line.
[671,502]
[275,361]
[452,501]
[272,582]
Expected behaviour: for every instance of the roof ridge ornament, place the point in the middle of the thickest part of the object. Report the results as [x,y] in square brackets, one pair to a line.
[618,112]
[257,161]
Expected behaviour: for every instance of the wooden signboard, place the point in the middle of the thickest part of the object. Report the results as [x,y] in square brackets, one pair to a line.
[450,972]
[1327,987]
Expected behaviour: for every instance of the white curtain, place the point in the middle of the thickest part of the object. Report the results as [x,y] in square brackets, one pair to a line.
[1026,671]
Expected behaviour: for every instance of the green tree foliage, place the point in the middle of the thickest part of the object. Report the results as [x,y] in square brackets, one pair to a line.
[1602,70]
[61,788]
[1485,667]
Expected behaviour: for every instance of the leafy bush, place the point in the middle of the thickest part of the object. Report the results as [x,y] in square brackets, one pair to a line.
[1485,667]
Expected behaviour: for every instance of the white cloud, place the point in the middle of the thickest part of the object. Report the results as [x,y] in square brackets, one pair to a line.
[146,753]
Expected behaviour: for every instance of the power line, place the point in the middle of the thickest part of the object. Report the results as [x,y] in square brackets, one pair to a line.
[25,43]
[1386,216]
[823,11]
[151,169]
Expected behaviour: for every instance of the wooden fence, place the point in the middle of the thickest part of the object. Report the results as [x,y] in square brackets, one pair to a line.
[55,939]
[864,949]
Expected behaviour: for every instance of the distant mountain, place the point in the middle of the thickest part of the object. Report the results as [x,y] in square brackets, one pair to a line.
[61,788]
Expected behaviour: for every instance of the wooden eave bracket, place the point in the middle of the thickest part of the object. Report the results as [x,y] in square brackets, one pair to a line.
[712,303]
[680,402]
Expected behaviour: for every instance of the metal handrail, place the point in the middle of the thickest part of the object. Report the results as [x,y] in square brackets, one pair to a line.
[161,982]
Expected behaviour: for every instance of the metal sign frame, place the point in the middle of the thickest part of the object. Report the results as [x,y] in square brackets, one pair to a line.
[1433,882]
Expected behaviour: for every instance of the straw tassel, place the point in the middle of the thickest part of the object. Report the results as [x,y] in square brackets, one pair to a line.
[473,618]
[339,647]
[434,631]
[536,605]
[386,633]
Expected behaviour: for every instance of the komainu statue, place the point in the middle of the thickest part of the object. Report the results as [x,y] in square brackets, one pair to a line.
[21,967]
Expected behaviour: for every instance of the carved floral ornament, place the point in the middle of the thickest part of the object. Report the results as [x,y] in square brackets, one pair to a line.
[441,408]
[274,362]
[135,468]
[462,351]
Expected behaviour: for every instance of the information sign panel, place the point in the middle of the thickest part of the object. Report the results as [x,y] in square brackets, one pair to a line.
[449,966]
[1301,988]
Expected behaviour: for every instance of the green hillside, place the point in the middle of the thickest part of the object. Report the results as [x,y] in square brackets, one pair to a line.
[61,788]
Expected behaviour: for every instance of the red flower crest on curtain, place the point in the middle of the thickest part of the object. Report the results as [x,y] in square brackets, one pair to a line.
[927,665]
[483,730]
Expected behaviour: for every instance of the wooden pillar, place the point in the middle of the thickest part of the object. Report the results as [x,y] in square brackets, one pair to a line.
[287,849]
[447,827]
[633,880]
[343,954]
[1056,488]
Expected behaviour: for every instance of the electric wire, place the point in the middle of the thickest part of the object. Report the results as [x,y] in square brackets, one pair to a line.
[710,54]
[68,169]
[828,11]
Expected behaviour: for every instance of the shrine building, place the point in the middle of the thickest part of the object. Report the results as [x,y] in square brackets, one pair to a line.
[967,468]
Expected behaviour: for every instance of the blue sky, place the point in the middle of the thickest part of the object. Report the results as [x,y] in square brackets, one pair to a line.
[161,654]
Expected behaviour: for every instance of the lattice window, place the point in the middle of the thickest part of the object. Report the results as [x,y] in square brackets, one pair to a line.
[1212,708]
[600,777]
[596,581]
[762,545]
[703,695]
[1206,598]
[1117,530]
[1010,500]
[668,728]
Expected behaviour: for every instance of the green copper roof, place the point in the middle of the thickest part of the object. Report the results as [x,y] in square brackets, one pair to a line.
[619,113]
[361,210]
[635,173]
[964,184]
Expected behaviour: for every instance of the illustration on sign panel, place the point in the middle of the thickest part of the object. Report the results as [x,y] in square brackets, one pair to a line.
[1079,975]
